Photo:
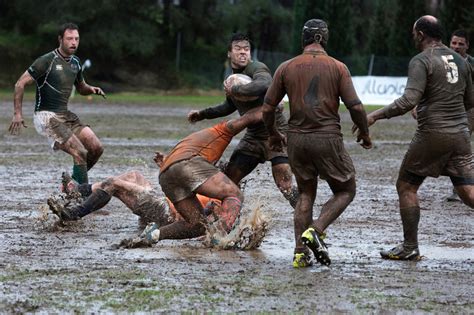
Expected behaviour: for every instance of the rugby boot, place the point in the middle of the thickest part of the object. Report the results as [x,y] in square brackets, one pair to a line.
[314,241]
[302,260]
[57,206]
[67,183]
[151,233]
[72,188]
[401,252]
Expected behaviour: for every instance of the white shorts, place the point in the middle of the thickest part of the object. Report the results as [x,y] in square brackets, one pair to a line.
[57,127]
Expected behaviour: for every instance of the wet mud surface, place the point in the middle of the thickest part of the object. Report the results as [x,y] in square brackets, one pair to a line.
[46,267]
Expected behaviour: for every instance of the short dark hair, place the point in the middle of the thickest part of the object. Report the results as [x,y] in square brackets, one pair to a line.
[429,27]
[461,33]
[67,26]
[236,37]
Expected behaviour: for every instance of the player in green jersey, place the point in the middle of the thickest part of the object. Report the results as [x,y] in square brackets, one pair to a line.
[55,73]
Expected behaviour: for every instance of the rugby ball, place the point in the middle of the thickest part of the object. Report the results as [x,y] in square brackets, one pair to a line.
[240,79]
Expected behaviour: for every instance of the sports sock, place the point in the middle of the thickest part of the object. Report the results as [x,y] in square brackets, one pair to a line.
[94,202]
[84,189]
[410,219]
[79,173]
[292,196]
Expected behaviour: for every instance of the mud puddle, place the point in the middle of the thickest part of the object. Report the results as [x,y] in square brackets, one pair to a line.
[50,269]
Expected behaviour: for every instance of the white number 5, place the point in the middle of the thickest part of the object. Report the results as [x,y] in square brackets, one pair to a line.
[451,68]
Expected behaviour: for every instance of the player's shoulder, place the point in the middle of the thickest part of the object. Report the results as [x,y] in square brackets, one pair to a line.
[49,56]
[254,67]
[76,60]
[336,62]
[423,57]
[470,60]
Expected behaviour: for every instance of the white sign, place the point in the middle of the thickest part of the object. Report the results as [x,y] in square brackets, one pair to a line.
[374,90]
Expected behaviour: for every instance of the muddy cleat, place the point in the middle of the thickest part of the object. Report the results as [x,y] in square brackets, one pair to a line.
[58,207]
[314,241]
[137,242]
[302,260]
[68,184]
[401,253]
[151,233]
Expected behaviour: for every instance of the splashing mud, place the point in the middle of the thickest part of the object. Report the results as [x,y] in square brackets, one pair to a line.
[248,234]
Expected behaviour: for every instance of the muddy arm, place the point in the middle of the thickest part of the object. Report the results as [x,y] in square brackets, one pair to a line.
[221,110]
[261,82]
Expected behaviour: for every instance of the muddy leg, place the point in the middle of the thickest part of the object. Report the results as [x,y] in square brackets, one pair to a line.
[92,144]
[344,193]
[283,179]
[466,193]
[409,212]
[76,149]
[303,216]
[193,226]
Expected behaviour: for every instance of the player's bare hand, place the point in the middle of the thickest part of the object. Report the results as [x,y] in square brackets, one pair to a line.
[414,114]
[194,116]
[98,91]
[364,140]
[276,141]
[228,88]
[16,125]
[159,158]
[370,121]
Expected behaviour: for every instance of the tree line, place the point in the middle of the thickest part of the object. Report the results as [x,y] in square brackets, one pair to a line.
[168,44]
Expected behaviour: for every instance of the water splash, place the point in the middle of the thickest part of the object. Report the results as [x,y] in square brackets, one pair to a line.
[247,234]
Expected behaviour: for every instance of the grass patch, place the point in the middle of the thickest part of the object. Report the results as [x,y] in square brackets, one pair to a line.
[178,98]
[159,98]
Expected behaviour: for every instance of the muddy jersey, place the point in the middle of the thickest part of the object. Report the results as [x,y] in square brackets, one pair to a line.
[440,85]
[262,79]
[54,78]
[209,144]
[314,83]
[470,60]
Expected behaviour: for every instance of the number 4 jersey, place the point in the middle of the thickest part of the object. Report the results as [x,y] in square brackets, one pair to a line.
[314,83]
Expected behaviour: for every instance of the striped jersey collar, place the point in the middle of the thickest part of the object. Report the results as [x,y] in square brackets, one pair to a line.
[67,59]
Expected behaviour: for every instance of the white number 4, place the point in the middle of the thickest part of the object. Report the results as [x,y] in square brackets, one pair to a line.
[451,68]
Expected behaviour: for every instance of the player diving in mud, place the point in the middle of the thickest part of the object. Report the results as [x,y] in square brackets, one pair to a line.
[188,178]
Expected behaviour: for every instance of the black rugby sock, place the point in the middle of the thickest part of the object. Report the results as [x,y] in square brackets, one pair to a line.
[410,219]
[94,202]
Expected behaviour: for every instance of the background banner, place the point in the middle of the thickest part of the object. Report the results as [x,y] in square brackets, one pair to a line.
[374,90]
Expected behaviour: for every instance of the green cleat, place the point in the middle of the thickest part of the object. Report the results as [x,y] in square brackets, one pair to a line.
[401,253]
[314,241]
[302,260]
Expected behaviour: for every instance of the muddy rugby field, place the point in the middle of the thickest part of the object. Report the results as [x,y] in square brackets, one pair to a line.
[47,268]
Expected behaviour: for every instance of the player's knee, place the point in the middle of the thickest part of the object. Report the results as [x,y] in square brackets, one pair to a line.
[238,194]
[108,184]
[467,197]
[80,155]
[284,185]
[96,150]
[351,194]
[135,175]
[404,188]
